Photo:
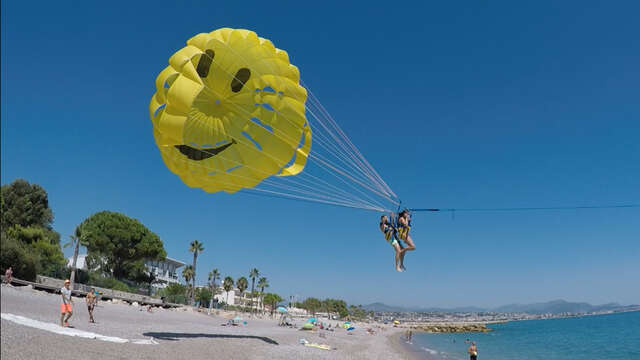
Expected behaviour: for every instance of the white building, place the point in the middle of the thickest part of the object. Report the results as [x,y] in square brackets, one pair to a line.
[81,262]
[166,271]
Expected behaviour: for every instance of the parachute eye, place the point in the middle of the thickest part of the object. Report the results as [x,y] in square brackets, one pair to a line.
[204,64]
[241,78]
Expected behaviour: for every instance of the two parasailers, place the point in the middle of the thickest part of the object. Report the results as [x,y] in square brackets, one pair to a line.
[396,230]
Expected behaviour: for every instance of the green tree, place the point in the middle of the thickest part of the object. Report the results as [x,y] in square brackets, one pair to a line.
[196,248]
[76,239]
[227,285]
[50,258]
[242,285]
[213,276]
[203,296]
[25,205]
[174,293]
[357,312]
[43,246]
[19,256]
[253,275]
[312,305]
[340,307]
[272,300]
[262,284]
[119,245]
[187,274]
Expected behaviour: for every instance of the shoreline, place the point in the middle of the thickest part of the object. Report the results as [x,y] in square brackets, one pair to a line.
[407,351]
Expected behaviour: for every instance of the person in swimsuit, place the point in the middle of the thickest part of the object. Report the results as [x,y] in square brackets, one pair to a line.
[389,232]
[473,351]
[404,226]
[91,303]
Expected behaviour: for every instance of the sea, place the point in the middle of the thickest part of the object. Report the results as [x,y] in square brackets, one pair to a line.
[597,337]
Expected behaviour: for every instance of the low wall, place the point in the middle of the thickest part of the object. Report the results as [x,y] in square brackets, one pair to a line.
[105,293]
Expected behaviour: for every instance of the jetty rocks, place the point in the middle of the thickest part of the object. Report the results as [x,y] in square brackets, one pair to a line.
[452,328]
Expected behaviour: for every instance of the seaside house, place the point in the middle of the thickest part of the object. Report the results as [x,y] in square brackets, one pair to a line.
[81,262]
[166,271]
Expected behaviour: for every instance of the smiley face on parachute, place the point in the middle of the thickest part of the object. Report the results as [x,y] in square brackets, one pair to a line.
[229,112]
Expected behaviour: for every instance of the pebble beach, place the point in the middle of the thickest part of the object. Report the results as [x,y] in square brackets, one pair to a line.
[174,334]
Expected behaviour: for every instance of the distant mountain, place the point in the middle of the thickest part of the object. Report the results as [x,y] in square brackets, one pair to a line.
[380,307]
[550,307]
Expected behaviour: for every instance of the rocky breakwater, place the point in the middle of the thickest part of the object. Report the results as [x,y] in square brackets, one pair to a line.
[452,328]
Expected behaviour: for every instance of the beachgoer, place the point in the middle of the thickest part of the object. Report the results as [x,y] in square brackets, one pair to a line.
[7,275]
[91,303]
[65,307]
[389,232]
[404,226]
[473,351]
[410,335]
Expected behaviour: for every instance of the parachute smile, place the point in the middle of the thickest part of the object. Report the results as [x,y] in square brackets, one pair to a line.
[202,154]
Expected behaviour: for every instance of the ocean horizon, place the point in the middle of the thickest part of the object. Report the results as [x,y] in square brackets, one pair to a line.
[607,337]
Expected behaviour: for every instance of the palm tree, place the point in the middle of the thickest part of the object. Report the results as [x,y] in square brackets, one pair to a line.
[196,248]
[227,285]
[213,276]
[187,274]
[242,285]
[253,274]
[75,241]
[262,283]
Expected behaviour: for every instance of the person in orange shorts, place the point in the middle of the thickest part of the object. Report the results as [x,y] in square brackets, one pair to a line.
[65,307]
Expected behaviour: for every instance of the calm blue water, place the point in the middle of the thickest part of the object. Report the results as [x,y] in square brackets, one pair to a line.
[603,337]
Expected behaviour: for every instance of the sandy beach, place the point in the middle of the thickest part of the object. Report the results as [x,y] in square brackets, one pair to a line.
[171,334]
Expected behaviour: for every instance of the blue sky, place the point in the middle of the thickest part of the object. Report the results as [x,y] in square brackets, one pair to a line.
[476,104]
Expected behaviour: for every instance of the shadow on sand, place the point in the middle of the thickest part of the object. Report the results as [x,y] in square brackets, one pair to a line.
[178,336]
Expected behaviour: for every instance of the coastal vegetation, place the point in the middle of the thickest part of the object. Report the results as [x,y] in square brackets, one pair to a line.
[118,245]
[28,242]
[117,248]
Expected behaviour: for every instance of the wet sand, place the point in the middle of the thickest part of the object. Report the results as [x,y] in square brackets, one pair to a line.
[177,334]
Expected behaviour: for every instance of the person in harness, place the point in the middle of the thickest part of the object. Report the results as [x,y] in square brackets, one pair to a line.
[390,235]
[403,228]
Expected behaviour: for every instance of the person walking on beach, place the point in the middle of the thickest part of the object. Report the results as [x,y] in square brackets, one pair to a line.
[473,351]
[390,235]
[7,275]
[91,302]
[65,307]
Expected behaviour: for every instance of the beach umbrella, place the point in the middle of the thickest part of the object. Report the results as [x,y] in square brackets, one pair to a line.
[282,309]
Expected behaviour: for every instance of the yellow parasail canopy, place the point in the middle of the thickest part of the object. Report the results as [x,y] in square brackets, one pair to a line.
[229,112]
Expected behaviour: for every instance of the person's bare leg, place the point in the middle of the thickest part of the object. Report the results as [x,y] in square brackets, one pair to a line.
[402,254]
[410,247]
[68,316]
[398,251]
[409,242]
[62,319]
